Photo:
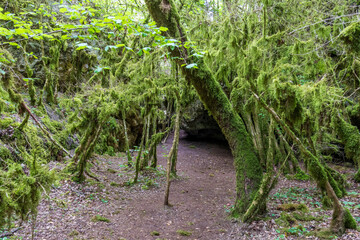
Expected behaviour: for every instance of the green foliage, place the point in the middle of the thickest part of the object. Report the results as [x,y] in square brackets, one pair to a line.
[6,122]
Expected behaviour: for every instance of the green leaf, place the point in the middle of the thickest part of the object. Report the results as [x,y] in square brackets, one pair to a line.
[63,10]
[65,37]
[98,69]
[120,45]
[163,29]
[48,36]
[81,46]
[38,38]
[2,72]
[4,17]
[140,52]
[192,65]
[14,44]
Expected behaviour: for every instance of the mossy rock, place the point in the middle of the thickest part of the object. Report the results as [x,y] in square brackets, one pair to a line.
[290,207]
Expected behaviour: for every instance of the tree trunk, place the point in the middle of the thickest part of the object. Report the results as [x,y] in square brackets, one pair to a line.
[176,137]
[172,152]
[138,158]
[247,164]
[340,219]
[129,158]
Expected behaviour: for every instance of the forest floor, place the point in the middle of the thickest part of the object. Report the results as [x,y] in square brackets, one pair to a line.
[201,197]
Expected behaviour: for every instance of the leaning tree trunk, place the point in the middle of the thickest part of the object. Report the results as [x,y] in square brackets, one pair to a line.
[341,218]
[247,164]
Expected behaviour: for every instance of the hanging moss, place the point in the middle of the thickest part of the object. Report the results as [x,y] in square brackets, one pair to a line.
[326,202]
[32,92]
[350,136]
[350,222]
[351,35]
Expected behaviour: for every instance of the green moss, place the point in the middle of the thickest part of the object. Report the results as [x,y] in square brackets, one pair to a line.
[285,220]
[300,216]
[326,202]
[110,170]
[351,35]
[290,207]
[32,92]
[5,123]
[4,152]
[52,125]
[325,234]
[357,176]
[183,233]
[98,218]
[114,184]
[300,175]
[73,233]
[350,222]
[155,233]
[350,135]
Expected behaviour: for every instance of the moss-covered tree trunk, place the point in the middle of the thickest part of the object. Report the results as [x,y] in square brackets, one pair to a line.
[247,164]
[144,161]
[138,157]
[341,218]
[173,152]
[127,148]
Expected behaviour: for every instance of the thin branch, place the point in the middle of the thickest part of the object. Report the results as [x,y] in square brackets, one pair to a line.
[324,20]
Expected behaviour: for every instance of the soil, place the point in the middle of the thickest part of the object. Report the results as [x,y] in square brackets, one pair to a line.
[201,197]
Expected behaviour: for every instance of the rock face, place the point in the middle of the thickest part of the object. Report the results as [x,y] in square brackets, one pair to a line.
[197,122]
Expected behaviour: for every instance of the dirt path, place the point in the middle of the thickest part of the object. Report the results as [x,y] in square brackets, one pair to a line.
[205,185]
[201,197]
